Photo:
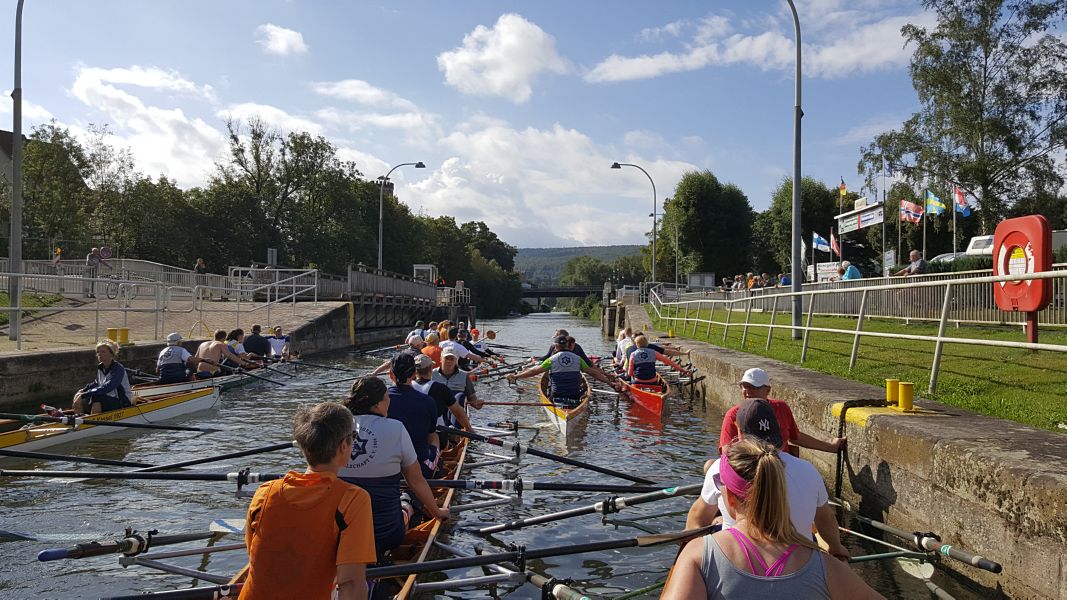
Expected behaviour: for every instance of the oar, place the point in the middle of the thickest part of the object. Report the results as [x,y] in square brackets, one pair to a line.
[512,404]
[518,485]
[327,367]
[231,590]
[81,459]
[533,553]
[78,420]
[506,347]
[241,371]
[518,448]
[130,545]
[923,570]
[382,349]
[200,461]
[241,477]
[606,507]
[273,370]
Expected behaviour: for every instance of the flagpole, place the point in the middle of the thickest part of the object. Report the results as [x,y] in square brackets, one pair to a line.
[953,222]
[924,227]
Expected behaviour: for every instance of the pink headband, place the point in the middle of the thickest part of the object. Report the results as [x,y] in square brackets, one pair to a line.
[733,482]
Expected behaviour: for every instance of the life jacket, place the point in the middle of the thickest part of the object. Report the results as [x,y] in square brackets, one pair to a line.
[565,373]
[644,364]
[171,365]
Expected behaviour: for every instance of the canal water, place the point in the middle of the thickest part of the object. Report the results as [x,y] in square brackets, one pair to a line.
[671,450]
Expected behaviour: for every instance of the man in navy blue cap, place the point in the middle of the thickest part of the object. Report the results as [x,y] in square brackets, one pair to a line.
[565,370]
[417,411]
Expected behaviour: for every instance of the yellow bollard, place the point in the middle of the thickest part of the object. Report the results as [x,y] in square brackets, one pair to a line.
[670,333]
[891,388]
[907,392]
[113,334]
[124,336]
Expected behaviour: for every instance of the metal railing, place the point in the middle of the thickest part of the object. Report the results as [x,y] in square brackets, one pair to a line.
[959,299]
[451,296]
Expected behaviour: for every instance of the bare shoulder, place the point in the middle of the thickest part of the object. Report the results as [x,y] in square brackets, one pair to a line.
[843,582]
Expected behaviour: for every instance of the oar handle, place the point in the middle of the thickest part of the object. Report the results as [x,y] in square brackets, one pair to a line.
[934,545]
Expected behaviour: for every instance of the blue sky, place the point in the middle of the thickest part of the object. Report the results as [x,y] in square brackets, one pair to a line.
[518,109]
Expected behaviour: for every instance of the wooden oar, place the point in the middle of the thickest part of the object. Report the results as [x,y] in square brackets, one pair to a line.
[606,507]
[304,363]
[529,553]
[518,448]
[512,404]
[78,420]
[130,545]
[241,371]
[518,486]
[200,461]
[65,458]
[273,370]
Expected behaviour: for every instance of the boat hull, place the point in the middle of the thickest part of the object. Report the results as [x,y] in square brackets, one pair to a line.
[651,398]
[564,419]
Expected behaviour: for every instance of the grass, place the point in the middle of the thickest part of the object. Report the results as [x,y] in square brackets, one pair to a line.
[1015,384]
[27,300]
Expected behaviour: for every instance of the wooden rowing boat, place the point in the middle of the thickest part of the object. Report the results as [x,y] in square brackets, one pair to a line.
[223,382]
[151,410]
[651,396]
[562,417]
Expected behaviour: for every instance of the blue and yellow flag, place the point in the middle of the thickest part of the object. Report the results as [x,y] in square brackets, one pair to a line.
[934,204]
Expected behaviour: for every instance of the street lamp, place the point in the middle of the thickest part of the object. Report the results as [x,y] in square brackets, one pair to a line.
[381,203]
[14,263]
[797,115]
[621,165]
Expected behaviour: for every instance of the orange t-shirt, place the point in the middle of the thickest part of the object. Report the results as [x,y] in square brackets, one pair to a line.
[294,535]
[434,352]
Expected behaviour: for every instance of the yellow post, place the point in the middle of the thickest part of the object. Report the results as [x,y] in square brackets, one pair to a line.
[670,332]
[113,334]
[351,324]
[891,388]
[907,392]
[124,336]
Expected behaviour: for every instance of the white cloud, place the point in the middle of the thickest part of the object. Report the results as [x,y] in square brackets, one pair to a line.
[858,42]
[162,140]
[864,132]
[357,90]
[371,166]
[33,113]
[272,115]
[280,41]
[674,29]
[502,61]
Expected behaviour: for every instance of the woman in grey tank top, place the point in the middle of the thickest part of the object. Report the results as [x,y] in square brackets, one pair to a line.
[763,556]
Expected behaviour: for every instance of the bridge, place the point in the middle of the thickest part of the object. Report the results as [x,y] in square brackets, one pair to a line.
[563,291]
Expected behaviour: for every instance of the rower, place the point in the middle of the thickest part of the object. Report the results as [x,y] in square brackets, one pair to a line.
[414,347]
[174,361]
[553,348]
[482,345]
[256,344]
[431,327]
[420,329]
[111,389]
[449,411]
[417,411]
[642,364]
[457,380]
[210,355]
[432,348]
[463,339]
[280,344]
[234,341]
[565,370]
[461,351]
[808,501]
[382,453]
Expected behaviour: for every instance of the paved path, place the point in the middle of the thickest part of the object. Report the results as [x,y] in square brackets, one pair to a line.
[86,320]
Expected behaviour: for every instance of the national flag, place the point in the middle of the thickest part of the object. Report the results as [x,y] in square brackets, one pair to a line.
[819,242]
[934,204]
[910,211]
[833,243]
[843,188]
[961,202]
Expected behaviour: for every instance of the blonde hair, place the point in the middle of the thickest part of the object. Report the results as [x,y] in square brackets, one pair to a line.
[641,341]
[432,338]
[110,345]
[766,505]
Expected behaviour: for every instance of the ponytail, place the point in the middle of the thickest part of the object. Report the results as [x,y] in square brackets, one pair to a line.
[766,504]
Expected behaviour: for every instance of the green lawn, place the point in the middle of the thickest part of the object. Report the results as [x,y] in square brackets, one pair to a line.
[1020,385]
[27,300]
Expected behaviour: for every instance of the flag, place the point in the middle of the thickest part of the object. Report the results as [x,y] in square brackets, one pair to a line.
[819,242]
[961,202]
[934,204]
[909,211]
[887,168]
[844,188]
[833,243]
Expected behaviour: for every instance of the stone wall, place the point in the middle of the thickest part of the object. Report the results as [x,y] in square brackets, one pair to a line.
[990,486]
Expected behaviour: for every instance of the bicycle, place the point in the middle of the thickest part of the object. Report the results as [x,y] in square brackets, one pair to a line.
[114,286]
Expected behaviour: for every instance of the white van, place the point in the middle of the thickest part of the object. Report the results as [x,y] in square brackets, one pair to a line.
[982,245]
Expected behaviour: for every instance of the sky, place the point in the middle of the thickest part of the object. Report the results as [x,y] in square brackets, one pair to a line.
[517,109]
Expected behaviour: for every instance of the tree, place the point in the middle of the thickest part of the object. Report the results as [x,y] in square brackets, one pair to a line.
[714,223]
[585,270]
[628,270]
[55,195]
[818,205]
[479,237]
[992,83]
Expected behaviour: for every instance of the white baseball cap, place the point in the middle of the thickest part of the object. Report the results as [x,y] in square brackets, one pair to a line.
[174,338]
[756,378]
[449,351]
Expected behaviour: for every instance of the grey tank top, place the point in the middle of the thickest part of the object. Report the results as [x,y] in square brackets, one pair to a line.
[727,582]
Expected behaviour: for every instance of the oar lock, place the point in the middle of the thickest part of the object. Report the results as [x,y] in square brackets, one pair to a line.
[520,556]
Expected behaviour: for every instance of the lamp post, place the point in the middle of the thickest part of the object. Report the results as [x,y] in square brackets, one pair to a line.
[381,203]
[14,263]
[621,165]
[798,113]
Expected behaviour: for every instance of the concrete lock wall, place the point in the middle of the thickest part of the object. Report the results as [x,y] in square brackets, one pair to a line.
[993,487]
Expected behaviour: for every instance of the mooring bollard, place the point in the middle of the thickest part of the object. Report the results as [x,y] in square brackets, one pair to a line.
[906,394]
[892,386]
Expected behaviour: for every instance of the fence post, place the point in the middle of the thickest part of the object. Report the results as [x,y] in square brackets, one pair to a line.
[748,316]
[729,313]
[807,328]
[685,319]
[770,330]
[936,367]
[859,328]
[711,318]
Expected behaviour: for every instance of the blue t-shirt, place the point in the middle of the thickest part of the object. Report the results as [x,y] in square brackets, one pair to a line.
[852,273]
[418,413]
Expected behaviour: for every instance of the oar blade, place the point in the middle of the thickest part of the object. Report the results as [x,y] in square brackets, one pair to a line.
[916,568]
[234,526]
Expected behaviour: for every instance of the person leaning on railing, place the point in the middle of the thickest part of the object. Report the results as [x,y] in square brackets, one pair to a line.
[916,267]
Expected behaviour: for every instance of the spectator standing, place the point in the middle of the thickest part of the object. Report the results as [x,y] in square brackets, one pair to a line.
[93,261]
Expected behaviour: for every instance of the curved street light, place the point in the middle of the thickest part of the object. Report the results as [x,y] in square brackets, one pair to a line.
[381,203]
[618,165]
[798,113]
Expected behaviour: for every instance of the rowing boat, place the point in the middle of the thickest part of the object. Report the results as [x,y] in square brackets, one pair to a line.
[562,417]
[223,382]
[151,410]
[651,396]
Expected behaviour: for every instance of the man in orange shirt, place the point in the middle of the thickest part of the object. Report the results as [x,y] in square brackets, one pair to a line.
[311,532]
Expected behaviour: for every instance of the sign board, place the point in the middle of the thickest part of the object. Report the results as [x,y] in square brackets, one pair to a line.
[701,280]
[860,203]
[889,260]
[272,256]
[858,219]
[827,271]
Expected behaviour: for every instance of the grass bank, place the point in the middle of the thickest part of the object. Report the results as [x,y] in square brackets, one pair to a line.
[1014,384]
[27,300]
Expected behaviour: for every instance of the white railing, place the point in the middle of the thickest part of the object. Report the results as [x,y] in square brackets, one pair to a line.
[957,295]
[450,296]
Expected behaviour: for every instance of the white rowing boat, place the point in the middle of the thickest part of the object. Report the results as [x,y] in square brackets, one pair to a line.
[564,418]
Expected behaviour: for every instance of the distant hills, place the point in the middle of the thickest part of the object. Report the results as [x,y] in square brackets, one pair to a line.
[542,266]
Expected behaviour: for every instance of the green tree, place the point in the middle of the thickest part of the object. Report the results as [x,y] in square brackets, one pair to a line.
[628,270]
[991,77]
[585,270]
[479,237]
[714,223]
[55,195]
[818,206]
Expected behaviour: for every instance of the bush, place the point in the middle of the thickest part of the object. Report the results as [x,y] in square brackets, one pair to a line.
[963,263]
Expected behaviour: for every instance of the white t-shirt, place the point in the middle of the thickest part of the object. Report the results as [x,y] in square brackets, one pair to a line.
[803,483]
[380,448]
[172,355]
[461,351]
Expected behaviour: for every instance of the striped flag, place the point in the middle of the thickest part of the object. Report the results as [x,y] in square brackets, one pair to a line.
[833,243]
[934,204]
[843,188]
[819,242]
[960,202]
[909,211]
